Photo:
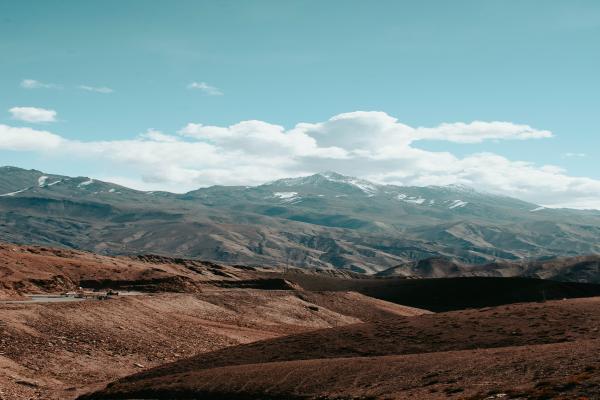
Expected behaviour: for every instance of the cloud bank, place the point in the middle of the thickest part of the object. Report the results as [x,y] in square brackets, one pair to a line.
[370,145]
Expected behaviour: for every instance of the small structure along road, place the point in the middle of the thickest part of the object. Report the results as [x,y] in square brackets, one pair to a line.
[79,295]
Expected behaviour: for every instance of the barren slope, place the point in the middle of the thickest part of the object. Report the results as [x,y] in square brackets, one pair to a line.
[541,348]
[552,371]
[35,269]
[53,350]
[568,269]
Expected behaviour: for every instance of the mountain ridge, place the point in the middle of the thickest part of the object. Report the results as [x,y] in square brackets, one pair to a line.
[328,176]
[324,220]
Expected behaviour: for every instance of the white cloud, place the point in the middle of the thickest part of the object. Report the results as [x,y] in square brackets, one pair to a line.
[259,138]
[478,131]
[97,89]
[28,139]
[205,88]
[371,145]
[33,84]
[381,135]
[33,114]
[157,136]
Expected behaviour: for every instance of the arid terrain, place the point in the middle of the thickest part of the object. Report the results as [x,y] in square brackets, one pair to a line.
[57,350]
[192,329]
[537,350]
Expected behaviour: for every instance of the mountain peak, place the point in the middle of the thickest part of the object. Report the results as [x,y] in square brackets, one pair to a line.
[333,175]
[329,178]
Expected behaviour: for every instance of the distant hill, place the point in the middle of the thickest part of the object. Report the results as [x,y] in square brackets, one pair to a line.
[573,269]
[321,221]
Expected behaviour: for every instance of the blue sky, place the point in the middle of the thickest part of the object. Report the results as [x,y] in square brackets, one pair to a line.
[424,63]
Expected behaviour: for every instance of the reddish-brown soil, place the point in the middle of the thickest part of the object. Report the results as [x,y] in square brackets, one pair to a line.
[31,269]
[554,341]
[203,330]
[555,371]
[58,350]
[34,269]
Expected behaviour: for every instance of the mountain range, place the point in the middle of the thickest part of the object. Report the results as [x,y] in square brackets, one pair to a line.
[323,221]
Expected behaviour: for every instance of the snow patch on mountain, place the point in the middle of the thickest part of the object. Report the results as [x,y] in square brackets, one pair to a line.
[418,200]
[369,189]
[287,197]
[365,186]
[13,193]
[410,199]
[42,180]
[457,204]
[86,183]
[540,208]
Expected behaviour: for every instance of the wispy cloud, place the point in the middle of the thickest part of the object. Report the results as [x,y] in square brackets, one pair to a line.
[97,89]
[574,155]
[33,84]
[205,88]
[33,114]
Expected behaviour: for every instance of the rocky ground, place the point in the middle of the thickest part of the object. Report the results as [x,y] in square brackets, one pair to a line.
[59,350]
[200,329]
[521,351]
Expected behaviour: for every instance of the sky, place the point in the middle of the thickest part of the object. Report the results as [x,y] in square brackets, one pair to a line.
[176,95]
